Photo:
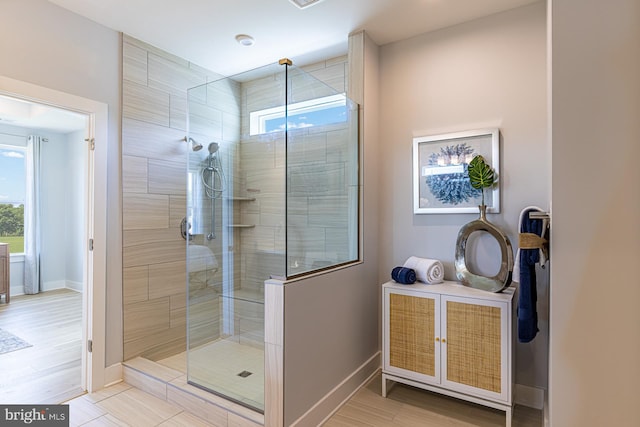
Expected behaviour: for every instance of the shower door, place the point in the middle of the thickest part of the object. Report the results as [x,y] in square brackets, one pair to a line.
[235,210]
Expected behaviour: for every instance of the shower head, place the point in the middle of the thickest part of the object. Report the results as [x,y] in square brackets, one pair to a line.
[213,147]
[195,145]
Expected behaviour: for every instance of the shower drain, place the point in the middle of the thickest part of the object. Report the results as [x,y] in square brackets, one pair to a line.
[244,374]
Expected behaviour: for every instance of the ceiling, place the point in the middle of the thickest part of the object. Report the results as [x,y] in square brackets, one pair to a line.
[203,31]
[27,114]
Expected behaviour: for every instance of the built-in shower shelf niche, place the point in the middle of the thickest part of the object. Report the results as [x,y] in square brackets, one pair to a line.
[241,225]
[242,199]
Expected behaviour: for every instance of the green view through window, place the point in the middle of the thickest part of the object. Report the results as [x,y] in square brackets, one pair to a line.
[12,194]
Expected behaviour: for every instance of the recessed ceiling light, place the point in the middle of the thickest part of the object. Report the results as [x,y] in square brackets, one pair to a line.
[245,40]
[304,3]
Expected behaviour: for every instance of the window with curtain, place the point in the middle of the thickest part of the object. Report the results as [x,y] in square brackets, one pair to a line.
[12,197]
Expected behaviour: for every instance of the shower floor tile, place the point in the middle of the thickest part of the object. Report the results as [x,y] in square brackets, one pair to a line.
[217,366]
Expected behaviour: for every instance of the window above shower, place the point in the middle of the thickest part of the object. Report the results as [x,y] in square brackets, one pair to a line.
[322,111]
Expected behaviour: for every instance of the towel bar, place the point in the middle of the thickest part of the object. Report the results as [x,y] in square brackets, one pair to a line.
[539,215]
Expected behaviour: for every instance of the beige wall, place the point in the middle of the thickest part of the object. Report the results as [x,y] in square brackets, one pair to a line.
[595,320]
[489,72]
[43,44]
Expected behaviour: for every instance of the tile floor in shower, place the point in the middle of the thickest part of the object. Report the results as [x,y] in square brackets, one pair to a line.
[218,365]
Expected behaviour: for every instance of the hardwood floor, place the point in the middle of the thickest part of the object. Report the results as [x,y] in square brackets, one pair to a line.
[50,370]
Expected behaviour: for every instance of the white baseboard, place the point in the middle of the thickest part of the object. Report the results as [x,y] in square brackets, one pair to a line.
[50,286]
[53,284]
[319,413]
[61,284]
[113,374]
[74,286]
[532,397]
[16,290]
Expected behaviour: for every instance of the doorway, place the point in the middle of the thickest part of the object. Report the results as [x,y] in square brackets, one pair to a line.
[74,218]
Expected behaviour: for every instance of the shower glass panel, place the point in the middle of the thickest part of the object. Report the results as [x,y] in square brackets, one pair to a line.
[322,175]
[272,192]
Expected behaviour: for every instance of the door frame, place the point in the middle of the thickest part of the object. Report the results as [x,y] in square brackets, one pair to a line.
[94,296]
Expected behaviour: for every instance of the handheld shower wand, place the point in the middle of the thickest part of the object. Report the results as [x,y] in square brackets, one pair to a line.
[213,182]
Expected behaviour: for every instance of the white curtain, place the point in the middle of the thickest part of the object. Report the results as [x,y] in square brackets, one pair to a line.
[32,217]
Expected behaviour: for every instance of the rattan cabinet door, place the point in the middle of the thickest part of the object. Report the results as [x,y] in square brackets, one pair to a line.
[411,333]
[474,347]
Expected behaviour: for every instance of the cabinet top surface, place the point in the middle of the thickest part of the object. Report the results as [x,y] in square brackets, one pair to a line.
[453,288]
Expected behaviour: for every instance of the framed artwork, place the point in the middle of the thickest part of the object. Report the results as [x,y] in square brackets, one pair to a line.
[441,183]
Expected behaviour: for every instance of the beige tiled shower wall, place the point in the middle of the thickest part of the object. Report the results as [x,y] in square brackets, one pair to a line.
[214,116]
[154,97]
[154,107]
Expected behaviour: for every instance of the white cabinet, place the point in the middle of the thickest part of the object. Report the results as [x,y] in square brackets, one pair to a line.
[450,339]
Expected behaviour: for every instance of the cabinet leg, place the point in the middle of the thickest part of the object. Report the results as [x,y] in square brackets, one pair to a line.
[509,414]
[385,388]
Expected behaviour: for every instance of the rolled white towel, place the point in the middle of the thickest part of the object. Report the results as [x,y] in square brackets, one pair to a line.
[201,258]
[430,271]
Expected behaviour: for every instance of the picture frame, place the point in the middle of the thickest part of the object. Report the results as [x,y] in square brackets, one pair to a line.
[440,180]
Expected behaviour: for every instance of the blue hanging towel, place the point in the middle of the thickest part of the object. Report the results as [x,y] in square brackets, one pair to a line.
[529,257]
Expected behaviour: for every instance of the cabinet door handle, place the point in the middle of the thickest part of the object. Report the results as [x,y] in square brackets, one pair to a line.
[444,340]
[437,339]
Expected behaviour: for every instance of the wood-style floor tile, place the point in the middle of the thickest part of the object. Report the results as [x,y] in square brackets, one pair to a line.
[50,370]
[105,421]
[82,411]
[184,419]
[107,392]
[407,406]
[138,408]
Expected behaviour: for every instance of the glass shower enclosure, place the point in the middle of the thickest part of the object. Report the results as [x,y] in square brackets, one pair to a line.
[272,192]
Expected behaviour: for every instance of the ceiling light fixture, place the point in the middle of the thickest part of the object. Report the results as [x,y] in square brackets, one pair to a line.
[304,3]
[245,40]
